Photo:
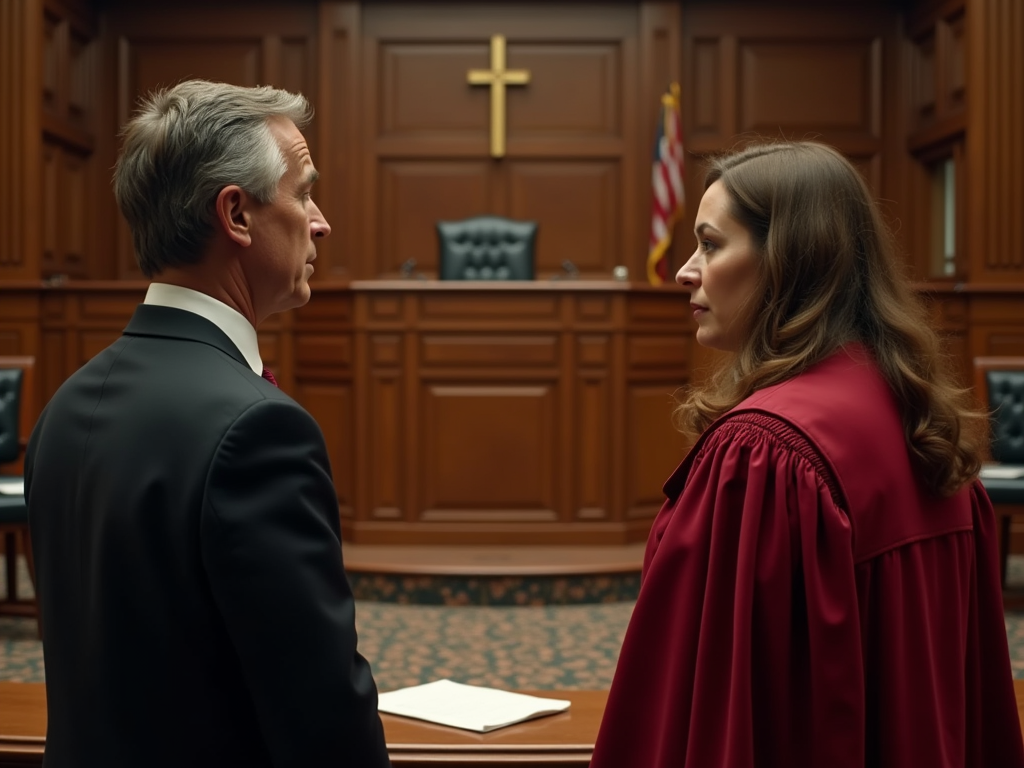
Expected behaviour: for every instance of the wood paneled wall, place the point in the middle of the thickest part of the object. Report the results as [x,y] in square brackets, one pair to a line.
[401,141]
[795,73]
[845,74]
[71,172]
[579,140]
[578,136]
[21,40]
[995,148]
[572,145]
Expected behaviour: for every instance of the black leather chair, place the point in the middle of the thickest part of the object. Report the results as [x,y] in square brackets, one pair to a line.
[15,390]
[999,382]
[486,248]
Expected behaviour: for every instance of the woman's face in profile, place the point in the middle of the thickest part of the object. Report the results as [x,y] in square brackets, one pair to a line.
[721,275]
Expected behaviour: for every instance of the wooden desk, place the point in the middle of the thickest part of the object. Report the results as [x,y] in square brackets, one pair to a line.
[532,412]
[558,741]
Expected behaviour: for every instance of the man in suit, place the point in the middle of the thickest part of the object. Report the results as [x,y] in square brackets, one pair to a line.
[184,522]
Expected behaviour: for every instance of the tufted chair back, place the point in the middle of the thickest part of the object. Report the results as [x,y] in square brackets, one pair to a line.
[486,248]
[999,387]
[16,414]
[999,382]
[10,412]
[1006,401]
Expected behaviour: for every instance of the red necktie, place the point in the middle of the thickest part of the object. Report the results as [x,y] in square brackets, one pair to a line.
[269,376]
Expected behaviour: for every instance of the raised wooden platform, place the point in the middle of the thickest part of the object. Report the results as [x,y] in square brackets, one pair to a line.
[493,560]
[494,575]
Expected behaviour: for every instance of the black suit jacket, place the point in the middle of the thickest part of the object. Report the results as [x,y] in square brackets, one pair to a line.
[185,528]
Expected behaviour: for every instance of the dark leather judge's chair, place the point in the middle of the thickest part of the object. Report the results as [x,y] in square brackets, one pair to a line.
[486,248]
[16,387]
[999,383]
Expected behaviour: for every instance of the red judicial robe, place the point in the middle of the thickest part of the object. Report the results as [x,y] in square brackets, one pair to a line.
[806,603]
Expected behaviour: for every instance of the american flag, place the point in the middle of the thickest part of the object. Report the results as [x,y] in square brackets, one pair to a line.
[666,184]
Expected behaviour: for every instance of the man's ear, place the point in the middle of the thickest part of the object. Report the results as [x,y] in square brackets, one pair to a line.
[234,215]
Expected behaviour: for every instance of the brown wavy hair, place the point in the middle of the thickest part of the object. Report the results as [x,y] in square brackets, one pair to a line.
[829,275]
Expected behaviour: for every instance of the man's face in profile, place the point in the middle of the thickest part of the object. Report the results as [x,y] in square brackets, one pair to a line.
[280,262]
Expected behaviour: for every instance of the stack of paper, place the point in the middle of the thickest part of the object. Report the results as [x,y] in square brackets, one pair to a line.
[1002,471]
[467,706]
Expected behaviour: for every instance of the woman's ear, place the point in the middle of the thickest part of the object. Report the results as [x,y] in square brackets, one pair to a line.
[233,214]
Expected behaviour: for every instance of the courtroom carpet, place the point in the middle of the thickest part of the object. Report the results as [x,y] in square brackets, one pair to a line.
[514,647]
[532,647]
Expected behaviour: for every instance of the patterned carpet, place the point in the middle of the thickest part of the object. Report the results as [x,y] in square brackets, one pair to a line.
[532,647]
[551,647]
[524,646]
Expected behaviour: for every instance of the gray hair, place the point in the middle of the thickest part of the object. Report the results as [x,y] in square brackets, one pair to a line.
[183,146]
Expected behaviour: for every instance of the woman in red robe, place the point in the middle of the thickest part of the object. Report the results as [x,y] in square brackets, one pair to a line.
[821,586]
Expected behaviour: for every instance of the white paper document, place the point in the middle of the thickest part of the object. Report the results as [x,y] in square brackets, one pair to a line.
[1002,471]
[12,487]
[471,707]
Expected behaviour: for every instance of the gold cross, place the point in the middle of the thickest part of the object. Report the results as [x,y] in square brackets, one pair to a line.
[497,77]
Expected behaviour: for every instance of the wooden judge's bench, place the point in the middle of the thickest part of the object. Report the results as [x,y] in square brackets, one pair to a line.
[455,412]
[533,412]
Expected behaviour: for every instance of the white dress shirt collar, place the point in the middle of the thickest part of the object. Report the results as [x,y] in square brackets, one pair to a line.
[233,323]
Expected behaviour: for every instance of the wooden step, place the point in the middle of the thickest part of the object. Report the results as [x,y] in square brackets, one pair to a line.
[494,575]
[493,560]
